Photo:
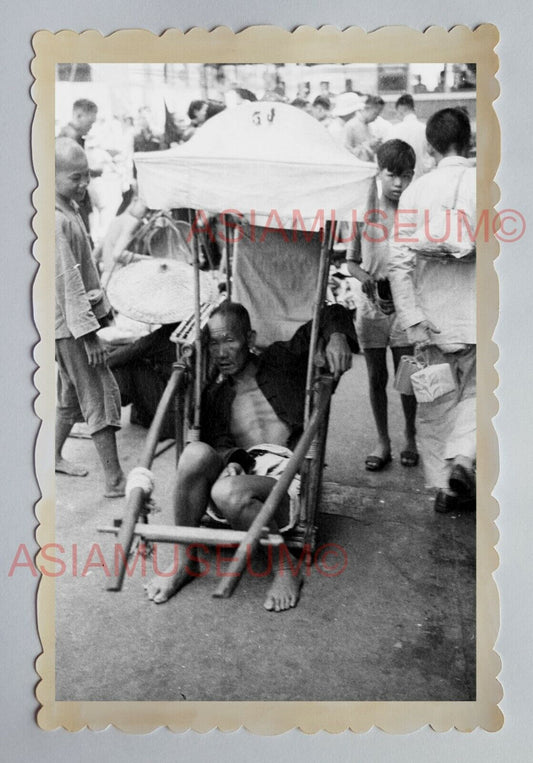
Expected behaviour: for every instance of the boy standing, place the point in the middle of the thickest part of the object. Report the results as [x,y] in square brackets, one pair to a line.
[376,324]
[86,390]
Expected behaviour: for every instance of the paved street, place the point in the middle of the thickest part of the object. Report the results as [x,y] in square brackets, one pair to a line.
[398,623]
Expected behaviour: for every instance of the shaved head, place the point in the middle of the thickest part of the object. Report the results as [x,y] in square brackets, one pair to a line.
[72,169]
[68,153]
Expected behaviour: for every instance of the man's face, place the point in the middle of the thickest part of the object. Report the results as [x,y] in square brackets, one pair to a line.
[394,185]
[72,180]
[320,112]
[370,113]
[228,346]
[84,120]
[401,112]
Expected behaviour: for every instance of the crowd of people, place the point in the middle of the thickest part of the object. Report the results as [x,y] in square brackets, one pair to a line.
[421,304]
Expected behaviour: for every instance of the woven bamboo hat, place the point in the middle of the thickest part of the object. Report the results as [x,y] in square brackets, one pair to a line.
[157,291]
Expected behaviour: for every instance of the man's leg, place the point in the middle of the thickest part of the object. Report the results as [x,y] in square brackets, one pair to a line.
[63,466]
[240,499]
[198,469]
[90,392]
[409,455]
[106,447]
[447,432]
[460,450]
[376,363]
[67,411]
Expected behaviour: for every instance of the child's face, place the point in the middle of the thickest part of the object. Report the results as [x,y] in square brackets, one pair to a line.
[394,185]
[72,179]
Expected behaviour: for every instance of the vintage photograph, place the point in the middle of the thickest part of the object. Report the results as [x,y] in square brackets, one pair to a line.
[265,413]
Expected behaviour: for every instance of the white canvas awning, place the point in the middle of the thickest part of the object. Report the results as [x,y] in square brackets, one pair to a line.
[268,161]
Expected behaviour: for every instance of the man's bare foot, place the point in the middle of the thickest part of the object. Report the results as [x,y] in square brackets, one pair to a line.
[67,467]
[284,591]
[115,488]
[161,588]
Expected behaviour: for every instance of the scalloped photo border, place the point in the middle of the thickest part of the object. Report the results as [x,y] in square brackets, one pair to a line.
[269,44]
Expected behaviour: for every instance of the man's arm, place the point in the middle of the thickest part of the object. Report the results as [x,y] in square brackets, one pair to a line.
[71,295]
[402,261]
[96,352]
[338,354]
[337,334]
[354,258]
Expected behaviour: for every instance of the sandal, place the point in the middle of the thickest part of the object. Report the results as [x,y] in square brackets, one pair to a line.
[376,463]
[462,481]
[409,458]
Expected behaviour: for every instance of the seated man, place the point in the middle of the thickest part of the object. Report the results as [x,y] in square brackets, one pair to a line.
[142,369]
[254,401]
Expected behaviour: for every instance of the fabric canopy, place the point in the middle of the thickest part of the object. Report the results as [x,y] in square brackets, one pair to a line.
[268,161]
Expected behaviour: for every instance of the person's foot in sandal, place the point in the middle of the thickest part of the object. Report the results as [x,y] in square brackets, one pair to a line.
[409,457]
[379,458]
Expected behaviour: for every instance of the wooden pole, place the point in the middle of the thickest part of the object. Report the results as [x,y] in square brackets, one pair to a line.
[210,536]
[310,485]
[197,340]
[251,540]
[228,249]
[317,312]
[136,497]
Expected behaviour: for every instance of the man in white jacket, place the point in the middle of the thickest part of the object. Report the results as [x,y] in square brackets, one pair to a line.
[412,131]
[435,299]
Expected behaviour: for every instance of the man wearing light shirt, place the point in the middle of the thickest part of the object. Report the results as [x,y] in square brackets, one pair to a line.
[435,302]
[412,131]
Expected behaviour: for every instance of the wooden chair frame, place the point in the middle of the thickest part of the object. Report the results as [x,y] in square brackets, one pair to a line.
[308,458]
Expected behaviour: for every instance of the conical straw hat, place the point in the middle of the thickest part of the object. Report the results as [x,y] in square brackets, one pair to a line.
[157,291]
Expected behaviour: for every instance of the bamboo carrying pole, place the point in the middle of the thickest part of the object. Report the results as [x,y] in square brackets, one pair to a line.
[229,247]
[136,497]
[310,484]
[318,305]
[197,342]
[208,536]
[251,540]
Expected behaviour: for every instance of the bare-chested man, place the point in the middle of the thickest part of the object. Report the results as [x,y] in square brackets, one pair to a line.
[256,401]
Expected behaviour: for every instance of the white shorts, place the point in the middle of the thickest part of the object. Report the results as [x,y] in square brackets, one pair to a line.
[271,461]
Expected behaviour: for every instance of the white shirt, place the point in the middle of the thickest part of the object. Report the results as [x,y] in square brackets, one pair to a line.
[380,129]
[442,292]
[412,131]
[337,129]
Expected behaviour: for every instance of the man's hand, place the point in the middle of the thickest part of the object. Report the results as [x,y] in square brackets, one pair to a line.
[96,352]
[233,469]
[421,334]
[368,287]
[338,354]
